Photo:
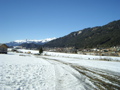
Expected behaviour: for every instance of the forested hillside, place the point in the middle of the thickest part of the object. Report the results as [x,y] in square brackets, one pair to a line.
[100,36]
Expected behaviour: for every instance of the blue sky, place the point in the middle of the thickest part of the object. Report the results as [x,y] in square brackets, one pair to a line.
[40,19]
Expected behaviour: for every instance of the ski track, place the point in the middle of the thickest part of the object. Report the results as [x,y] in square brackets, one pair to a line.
[49,73]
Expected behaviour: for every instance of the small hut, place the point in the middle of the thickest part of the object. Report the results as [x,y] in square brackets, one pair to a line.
[3,49]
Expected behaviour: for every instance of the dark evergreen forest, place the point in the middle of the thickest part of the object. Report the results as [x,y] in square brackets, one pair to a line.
[100,36]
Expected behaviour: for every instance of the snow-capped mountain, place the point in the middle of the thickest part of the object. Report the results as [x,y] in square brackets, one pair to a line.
[19,42]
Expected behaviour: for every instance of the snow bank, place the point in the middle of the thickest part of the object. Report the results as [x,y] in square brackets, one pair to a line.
[26,51]
[79,56]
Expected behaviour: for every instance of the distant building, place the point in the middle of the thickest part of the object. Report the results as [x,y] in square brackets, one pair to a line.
[17,47]
[3,49]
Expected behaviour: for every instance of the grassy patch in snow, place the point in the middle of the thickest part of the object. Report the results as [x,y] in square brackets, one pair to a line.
[109,59]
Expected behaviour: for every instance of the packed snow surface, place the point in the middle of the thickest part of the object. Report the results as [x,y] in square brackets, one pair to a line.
[57,71]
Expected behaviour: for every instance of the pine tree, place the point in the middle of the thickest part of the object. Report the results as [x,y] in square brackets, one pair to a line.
[40,50]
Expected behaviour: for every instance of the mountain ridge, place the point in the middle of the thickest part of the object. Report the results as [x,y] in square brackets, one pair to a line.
[100,36]
[19,42]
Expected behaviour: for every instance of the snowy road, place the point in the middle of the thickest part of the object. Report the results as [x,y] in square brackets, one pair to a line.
[19,72]
[89,77]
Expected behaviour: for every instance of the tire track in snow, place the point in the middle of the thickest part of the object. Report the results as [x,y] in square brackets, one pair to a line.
[67,78]
[102,79]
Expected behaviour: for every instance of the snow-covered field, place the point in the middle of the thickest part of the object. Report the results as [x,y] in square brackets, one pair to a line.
[58,71]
